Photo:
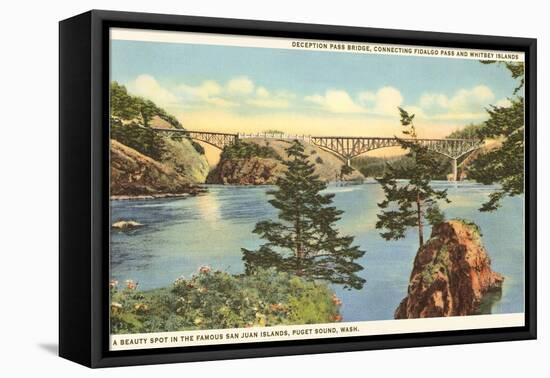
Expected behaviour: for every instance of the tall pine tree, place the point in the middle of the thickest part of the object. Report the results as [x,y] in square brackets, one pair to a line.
[304,241]
[410,204]
[504,164]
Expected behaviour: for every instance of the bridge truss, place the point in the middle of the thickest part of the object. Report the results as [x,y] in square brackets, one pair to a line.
[345,148]
[350,147]
[219,140]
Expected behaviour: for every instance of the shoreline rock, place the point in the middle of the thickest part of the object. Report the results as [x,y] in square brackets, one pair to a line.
[126,225]
[251,171]
[451,274]
[136,175]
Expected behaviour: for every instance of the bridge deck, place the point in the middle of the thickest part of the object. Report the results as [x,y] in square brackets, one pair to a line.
[346,147]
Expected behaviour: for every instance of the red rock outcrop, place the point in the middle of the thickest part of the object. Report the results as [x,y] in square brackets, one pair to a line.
[451,274]
[134,174]
[251,171]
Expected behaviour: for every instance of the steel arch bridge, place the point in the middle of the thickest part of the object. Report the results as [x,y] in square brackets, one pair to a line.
[219,140]
[345,148]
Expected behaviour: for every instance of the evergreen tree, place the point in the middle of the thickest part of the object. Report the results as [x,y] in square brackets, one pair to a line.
[346,170]
[505,164]
[411,204]
[304,242]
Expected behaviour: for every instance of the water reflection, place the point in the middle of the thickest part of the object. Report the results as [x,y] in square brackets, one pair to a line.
[181,235]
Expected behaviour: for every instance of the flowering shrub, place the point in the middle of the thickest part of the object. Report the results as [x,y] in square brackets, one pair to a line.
[215,299]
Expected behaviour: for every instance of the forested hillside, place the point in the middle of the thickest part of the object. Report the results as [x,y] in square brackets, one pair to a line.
[145,162]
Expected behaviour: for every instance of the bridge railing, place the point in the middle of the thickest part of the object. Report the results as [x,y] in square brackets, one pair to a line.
[306,138]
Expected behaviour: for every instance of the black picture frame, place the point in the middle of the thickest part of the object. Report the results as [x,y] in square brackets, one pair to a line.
[84,187]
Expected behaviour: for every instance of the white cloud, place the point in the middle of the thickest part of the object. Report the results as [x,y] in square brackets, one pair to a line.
[266,99]
[382,102]
[148,87]
[416,110]
[504,103]
[235,92]
[463,104]
[240,86]
[208,91]
[262,92]
[273,103]
[336,101]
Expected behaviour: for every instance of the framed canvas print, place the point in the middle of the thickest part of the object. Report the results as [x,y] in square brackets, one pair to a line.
[233,188]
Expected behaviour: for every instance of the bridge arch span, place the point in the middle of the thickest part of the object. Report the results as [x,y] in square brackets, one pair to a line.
[218,140]
[343,147]
[347,148]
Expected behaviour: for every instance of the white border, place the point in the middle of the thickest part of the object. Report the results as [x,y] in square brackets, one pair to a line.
[315,331]
[143,35]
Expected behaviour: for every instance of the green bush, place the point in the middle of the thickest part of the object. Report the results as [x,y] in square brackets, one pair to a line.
[141,139]
[130,121]
[471,131]
[371,166]
[128,107]
[197,147]
[244,150]
[216,300]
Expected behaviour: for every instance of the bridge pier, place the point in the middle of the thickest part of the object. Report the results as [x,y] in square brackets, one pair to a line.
[344,147]
[455,169]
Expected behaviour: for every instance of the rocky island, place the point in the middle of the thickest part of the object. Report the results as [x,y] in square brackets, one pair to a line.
[451,274]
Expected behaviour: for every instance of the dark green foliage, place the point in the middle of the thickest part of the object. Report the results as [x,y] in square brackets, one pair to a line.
[140,110]
[217,300]
[412,203]
[503,165]
[142,139]
[371,166]
[345,171]
[304,242]
[197,147]
[471,131]
[130,122]
[244,150]
[122,104]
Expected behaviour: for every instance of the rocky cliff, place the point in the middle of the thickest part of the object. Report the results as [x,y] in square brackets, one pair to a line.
[260,161]
[145,162]
[248,171]
[451,274]
[134,174]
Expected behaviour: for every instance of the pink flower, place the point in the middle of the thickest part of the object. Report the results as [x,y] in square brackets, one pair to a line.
[131,285]
[205,269]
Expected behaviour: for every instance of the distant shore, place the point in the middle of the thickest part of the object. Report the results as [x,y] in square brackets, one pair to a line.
[154,196]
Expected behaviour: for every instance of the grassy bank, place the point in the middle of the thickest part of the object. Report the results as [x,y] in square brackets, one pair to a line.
[216,300]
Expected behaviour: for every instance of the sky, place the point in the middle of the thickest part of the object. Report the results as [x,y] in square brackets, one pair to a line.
[250,89]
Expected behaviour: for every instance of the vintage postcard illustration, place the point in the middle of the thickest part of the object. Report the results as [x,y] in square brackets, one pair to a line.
[266,189]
